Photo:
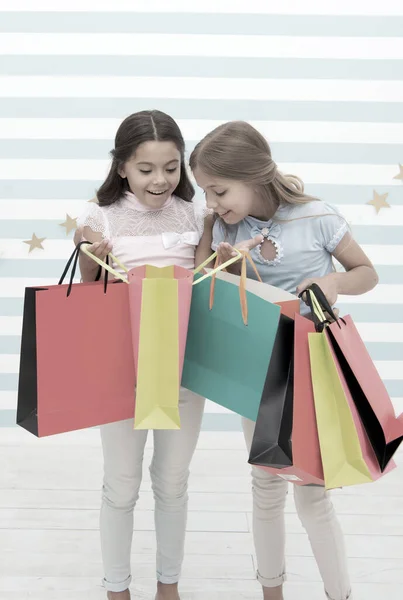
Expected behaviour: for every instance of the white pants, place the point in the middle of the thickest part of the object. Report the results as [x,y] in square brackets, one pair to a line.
[123,450]
[318,517]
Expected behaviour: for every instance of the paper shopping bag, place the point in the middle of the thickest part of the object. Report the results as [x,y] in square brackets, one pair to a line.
[342,457]
[76,367]
[306,465]
[159,307]
[271,443]
[372,401]
[227,360]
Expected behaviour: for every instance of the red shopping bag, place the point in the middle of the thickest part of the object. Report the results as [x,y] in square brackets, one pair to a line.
[76,363]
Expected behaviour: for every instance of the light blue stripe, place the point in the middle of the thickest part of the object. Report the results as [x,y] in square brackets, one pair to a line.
[370,313]
[21,229]
[11,344]
[211,422]
[81,190]
[262,110]
[53,269]
[11,307]
[381,154]
[235,24]
[210,66]
[390,274]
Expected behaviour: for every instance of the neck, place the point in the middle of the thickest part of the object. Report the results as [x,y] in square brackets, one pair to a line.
[264,208]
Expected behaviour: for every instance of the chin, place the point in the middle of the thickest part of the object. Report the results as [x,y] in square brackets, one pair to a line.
[231,219]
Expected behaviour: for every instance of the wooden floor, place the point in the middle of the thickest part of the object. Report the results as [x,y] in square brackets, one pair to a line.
[49,541]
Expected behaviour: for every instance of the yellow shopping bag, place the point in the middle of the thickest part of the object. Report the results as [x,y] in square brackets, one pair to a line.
[159,301]
[342,457]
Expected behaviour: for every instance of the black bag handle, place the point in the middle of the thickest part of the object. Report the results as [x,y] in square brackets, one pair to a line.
[73,262]
[319,324]
[323,303]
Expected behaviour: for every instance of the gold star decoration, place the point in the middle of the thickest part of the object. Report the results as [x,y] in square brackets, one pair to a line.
[35,243]
[379,201]
[70,224]
[400,174]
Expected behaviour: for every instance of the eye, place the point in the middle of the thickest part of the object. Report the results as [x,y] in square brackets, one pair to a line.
[172,170]
[220,194]
[145,172]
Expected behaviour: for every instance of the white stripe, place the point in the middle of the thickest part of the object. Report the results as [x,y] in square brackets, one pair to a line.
[201,88]
[10,363]
[370,332]
[10,325]
[35,209]
[80,169]
[285,7]
[382,294]
[42,210]
[363,214]
[384,254]
[14,287]
[62,249]
[195,129]
[149,44]
[380,332]
[8,400]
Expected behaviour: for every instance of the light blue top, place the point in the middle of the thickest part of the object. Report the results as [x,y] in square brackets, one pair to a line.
[304,236]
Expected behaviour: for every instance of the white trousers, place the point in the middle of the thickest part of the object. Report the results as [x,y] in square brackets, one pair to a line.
[123,450]
[318,517]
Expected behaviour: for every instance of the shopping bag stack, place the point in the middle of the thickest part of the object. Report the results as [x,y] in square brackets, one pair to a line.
[95,353]
[344,430]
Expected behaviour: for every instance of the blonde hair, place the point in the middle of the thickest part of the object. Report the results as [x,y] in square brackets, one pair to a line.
[236,150]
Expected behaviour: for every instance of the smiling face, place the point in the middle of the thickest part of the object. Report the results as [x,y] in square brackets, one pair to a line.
[232,200]
[153,172]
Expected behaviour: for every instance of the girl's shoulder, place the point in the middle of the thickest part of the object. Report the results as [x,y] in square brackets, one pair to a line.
[314,208]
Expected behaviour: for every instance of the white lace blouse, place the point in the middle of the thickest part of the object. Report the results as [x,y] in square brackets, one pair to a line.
[141,235]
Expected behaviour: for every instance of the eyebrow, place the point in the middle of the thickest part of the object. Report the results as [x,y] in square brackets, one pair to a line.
[150,164]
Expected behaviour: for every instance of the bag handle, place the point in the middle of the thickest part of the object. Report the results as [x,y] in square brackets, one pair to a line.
[319,305]
[200,268]
[242,282]
[73,261]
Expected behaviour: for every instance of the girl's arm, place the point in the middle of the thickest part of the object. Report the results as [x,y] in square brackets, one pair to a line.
[360,275]
[203,250]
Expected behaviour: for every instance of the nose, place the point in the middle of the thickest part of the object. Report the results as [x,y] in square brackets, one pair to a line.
[159,178]
[211,202]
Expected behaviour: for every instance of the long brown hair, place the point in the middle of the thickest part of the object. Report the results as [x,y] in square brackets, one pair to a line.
[236,150]
[140,127]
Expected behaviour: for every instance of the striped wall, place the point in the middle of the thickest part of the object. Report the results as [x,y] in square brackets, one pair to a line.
[323,81]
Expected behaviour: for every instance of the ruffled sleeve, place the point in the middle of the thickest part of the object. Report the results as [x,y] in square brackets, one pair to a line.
[94,217]
[333,227]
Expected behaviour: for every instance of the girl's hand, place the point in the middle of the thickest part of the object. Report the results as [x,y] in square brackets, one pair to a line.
[328,285]
[226,251]
[100,249]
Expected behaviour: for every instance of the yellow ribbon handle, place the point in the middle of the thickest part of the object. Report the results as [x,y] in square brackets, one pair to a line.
[105,266]
[316,307]
[242,282]
[118,275]
[216,268]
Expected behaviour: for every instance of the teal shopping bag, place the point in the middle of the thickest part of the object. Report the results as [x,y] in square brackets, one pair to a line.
[227,361]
